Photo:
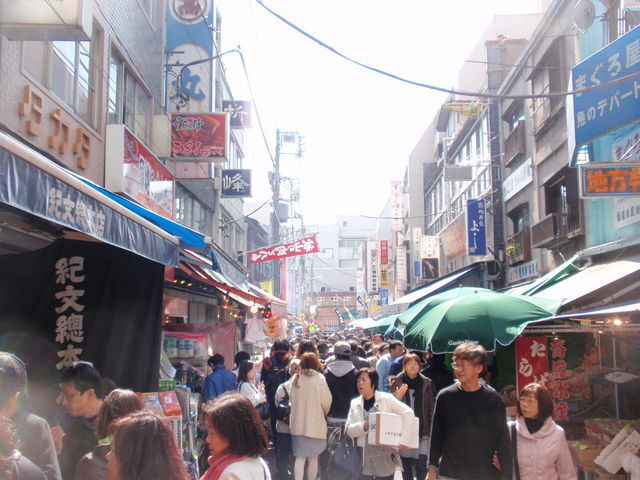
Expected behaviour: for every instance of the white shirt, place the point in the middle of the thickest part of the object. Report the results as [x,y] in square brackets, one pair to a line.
[247,469]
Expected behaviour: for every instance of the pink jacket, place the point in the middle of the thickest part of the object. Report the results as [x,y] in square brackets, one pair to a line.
[545,454]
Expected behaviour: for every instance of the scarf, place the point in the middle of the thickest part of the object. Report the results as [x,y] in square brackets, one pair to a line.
[414,384]
[218,464]
[533,425]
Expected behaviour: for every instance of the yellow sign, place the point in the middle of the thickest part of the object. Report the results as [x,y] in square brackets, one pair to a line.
[384,278]
[267,286]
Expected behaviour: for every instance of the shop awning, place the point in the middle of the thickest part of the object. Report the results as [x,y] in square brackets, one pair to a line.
[278,306]
[567,268]
[404,302]
[601,312]
[201,273]
[594,283]
[34,184]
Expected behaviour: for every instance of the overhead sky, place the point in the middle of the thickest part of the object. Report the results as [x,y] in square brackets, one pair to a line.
[358,126]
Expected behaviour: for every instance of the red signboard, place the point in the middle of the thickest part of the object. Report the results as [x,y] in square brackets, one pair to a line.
[301,246]
[145,178]
[384,252]
[203,136]
[532,361]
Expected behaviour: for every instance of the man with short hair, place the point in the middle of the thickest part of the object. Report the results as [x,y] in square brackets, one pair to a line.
[220,379]
[341,380]
[34,433]
[377,339]
[384,363]
[323,350]
[80,397]
[469,424]
[356,359]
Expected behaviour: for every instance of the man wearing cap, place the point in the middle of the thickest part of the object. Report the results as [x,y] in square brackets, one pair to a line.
[341,379]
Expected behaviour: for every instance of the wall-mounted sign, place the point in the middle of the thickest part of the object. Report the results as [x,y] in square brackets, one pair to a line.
[522,272]
[203,136]
[384,252]
[519,178]
[373,265]
[188,38]
[302,246]
[384,296]
[532,357]
[429,246]
[476,227]
[130,168]
[46,19]
[396,206]
[239,113]
[430,269]
[609,179]
[384,278]
[454,239]
[600,110]
[626,211]
[236,183]
[626,148]
[401,268]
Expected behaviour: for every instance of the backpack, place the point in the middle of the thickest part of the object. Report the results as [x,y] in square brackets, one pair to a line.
[273,378]
[283,409]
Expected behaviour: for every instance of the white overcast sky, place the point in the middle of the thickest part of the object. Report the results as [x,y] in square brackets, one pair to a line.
[358,126]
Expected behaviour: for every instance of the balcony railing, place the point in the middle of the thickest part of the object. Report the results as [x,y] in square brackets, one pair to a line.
[519,247]
[514,144]
[550,231]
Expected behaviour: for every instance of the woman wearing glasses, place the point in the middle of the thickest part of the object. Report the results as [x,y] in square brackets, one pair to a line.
[541,449]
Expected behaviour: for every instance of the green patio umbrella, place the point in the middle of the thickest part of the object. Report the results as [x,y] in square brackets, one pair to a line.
[381,325]
[474,315]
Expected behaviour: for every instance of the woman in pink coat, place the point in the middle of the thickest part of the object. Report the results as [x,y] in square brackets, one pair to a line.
[542,449]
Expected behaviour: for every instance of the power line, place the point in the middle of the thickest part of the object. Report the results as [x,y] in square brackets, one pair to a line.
[337,269]
[247,215]
[435,87]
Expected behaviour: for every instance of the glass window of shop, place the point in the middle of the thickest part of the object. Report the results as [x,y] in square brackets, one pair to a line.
[128,100]
[71,70]
[191,212]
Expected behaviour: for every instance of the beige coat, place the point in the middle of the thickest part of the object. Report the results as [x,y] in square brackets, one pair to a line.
[310,403]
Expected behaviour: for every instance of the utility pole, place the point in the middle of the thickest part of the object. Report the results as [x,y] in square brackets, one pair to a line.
[275,223]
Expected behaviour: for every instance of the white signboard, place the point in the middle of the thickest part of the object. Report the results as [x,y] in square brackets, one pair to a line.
[429,246]
[520,178]
[521,272]
[401,268]
[627,147]
[396,206]
[416,236]
[626,211]
[373,265]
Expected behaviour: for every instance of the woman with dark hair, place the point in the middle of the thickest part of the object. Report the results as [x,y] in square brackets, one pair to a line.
[310,402]
[120,402]
[236,438]
[541,449]
[415,390]
[306,346]
[379,462]
[247,384]
[13,466]
[143,448]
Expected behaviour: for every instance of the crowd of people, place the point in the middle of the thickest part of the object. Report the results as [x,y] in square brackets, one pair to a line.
[306,408]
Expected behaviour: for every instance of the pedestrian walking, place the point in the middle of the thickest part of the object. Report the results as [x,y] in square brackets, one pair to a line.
[219,381]
[247,387]
[385,361]
[119,403]
[14,465]
[284,453]
[541,451]
[310,402]
[306,346]
[379,462]
[436,370]
[236,438]
[469,424]
[143,447]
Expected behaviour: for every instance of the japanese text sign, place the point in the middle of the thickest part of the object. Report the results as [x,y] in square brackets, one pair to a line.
[610,179]
[453,239]
[384,278]
[384,252]
[532,361]
[239,113]
[597,111]
[396,206]
[69,273]
[202,136]
[384,296]
[301,246]
[476,227]
[559,387]
[236,183]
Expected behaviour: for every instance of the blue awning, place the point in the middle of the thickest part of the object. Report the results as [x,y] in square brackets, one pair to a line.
[34,184]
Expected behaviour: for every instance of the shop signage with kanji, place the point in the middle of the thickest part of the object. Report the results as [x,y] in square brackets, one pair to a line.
[202,136]
[396,206]
[559,387]
[532,361]
[236,183]
[476,227]
[384,278]
[384,252]
[384,296]
[610,179]
[239,113]
[600,110]
[302,246]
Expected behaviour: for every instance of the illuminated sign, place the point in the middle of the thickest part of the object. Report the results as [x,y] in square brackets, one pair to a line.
[609,179]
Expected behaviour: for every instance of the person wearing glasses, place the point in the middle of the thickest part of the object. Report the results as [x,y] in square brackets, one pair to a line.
[469,427]
[541,449]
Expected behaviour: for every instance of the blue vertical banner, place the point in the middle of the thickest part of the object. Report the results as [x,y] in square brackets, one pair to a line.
[476,227]
[384,296]
[189,38]
[416,268]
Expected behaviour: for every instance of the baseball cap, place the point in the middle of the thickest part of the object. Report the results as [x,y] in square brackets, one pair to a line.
[342,348]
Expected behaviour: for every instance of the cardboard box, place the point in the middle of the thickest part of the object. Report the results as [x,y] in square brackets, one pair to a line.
[411,436]
[600,474]
[385,429]
[584,455]
[627,440]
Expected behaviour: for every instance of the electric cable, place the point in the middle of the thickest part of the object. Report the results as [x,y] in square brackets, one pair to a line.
[436,88]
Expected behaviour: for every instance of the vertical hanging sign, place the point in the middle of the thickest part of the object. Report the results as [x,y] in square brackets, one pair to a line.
[532,361]
[476,227]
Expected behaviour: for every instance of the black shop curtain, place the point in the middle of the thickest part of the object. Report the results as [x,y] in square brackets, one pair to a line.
[111,301]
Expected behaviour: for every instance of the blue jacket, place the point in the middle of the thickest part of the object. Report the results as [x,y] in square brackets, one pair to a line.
[219,381]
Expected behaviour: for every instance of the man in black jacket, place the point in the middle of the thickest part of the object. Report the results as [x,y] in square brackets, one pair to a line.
[341,379]
[469,426]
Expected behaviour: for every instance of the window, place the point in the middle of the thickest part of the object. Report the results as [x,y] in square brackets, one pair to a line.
[613,22]
[192,213]
[562,196]
[519,218]
[128,101]
[548,78]
[69,70]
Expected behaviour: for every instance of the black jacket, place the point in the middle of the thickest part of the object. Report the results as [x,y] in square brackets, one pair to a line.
[341,379]
[80,439]
[36,443]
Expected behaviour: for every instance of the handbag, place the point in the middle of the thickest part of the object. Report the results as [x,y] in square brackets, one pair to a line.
[263,410]
[347,457]
[283,410]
